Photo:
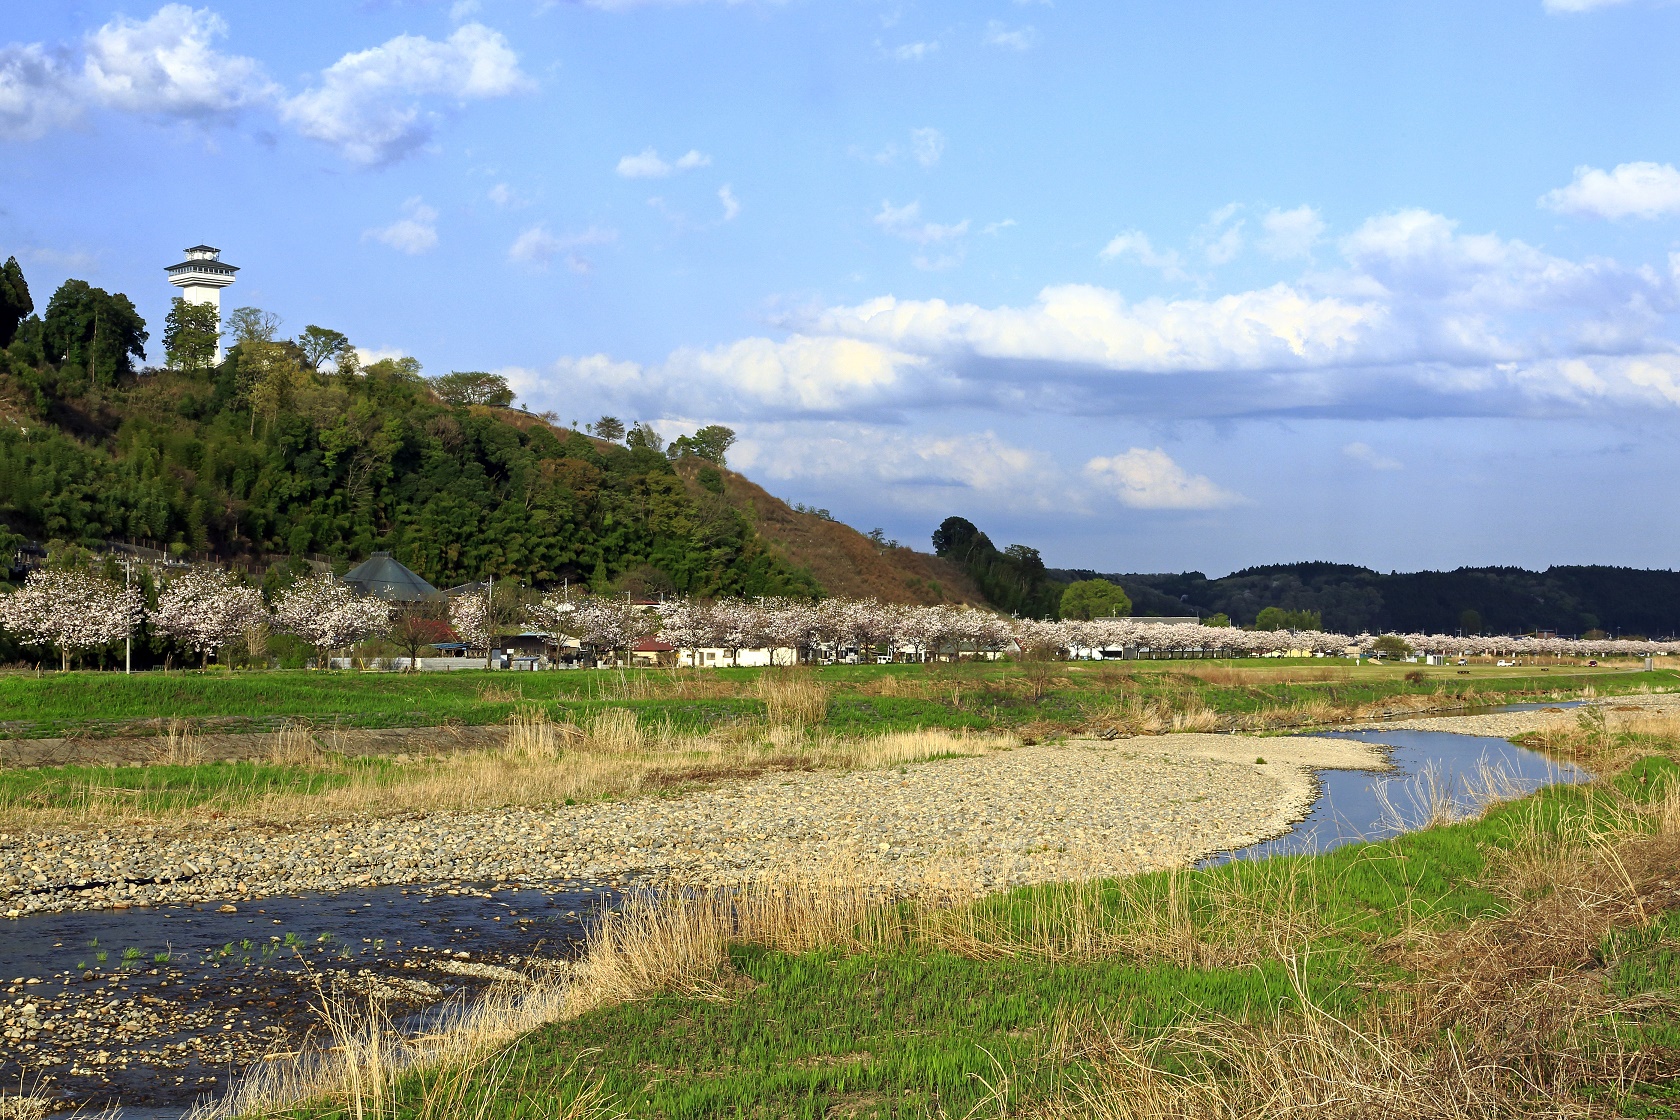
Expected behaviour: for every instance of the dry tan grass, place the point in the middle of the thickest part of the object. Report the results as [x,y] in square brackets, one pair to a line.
[793,698]
[1225,676]
[295,745]
[356,1064]
[1517,995]
[180,746]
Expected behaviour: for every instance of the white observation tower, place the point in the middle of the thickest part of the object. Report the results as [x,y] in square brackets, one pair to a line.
[202,276]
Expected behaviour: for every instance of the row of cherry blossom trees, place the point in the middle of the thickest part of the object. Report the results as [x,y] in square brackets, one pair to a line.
[204,609]
[830,626]
[207,609]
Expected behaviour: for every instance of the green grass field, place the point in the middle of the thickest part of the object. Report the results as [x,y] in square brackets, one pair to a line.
[919,1030]
[1005,694]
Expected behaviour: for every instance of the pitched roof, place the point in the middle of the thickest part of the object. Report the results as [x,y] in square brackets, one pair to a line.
[383,577]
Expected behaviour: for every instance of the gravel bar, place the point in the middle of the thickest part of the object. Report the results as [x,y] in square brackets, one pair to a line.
[1503,725]
[1031,814]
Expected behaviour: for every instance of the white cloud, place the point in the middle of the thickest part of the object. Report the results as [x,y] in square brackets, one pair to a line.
[647,164]
[166,64]
[414,233]
[731,204]
[1146,478]
[463,9]
[1085,325]
[537,245]
[914,52]
[1291,233]
[1000,34]
[1137,246]
[1578,5]
[1221,236]
[1365,453]
[369,104]
[927,145]
[1632,190]
[924,471]
[906,222]
[506,197]
[800,375]
[1420,319]
[38,92]
[1629,380]
[366,356]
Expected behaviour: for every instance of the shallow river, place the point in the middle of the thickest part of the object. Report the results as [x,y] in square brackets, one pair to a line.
[155,1008]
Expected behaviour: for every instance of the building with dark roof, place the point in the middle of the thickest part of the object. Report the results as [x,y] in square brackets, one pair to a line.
[384,577]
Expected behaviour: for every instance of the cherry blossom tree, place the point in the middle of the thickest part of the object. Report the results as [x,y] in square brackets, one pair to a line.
[71,611]
[329,615]
[205,609]
[469,614]
[608,625]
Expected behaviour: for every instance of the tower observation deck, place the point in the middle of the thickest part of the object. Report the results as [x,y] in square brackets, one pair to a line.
[202,276]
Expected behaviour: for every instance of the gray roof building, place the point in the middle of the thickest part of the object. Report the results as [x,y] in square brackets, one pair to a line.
[384,577]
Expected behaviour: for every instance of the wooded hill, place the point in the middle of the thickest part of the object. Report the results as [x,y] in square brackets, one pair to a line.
[1568,600]
[289,448]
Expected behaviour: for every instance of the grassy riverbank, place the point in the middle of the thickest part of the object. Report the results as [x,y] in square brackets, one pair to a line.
[553,749]
[1048,695]
[1521,963]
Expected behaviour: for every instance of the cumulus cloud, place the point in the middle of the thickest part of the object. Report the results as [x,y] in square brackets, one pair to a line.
[1419,319]
[925,471]
[166,64]
[1147,478]
[1371,457]
[647,164]
[1090,326]
[370,105]
[1136,245]
[538,245]
[731,204]
[1631,190]
[1291,233]
[38,92]
[798,376]
[413,233]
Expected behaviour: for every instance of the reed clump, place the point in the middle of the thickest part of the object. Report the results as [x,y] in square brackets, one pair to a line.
[793,697]
[295,745]
[180,745]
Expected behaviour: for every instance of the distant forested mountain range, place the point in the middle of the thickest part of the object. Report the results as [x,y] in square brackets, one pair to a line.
[1569,600]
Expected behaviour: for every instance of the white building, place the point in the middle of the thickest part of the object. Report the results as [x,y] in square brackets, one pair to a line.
[201,278]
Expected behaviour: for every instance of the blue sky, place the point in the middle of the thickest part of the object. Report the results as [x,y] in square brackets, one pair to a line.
[1151,286]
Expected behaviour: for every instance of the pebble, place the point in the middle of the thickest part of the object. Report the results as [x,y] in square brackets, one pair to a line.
[1028,815]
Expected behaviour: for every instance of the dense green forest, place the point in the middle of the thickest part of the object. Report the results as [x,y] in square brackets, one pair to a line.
[1013,579]
[288,447]
[1569,600]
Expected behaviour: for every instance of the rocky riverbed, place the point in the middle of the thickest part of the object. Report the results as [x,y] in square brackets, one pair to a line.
[1031,814]
[1504,725]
